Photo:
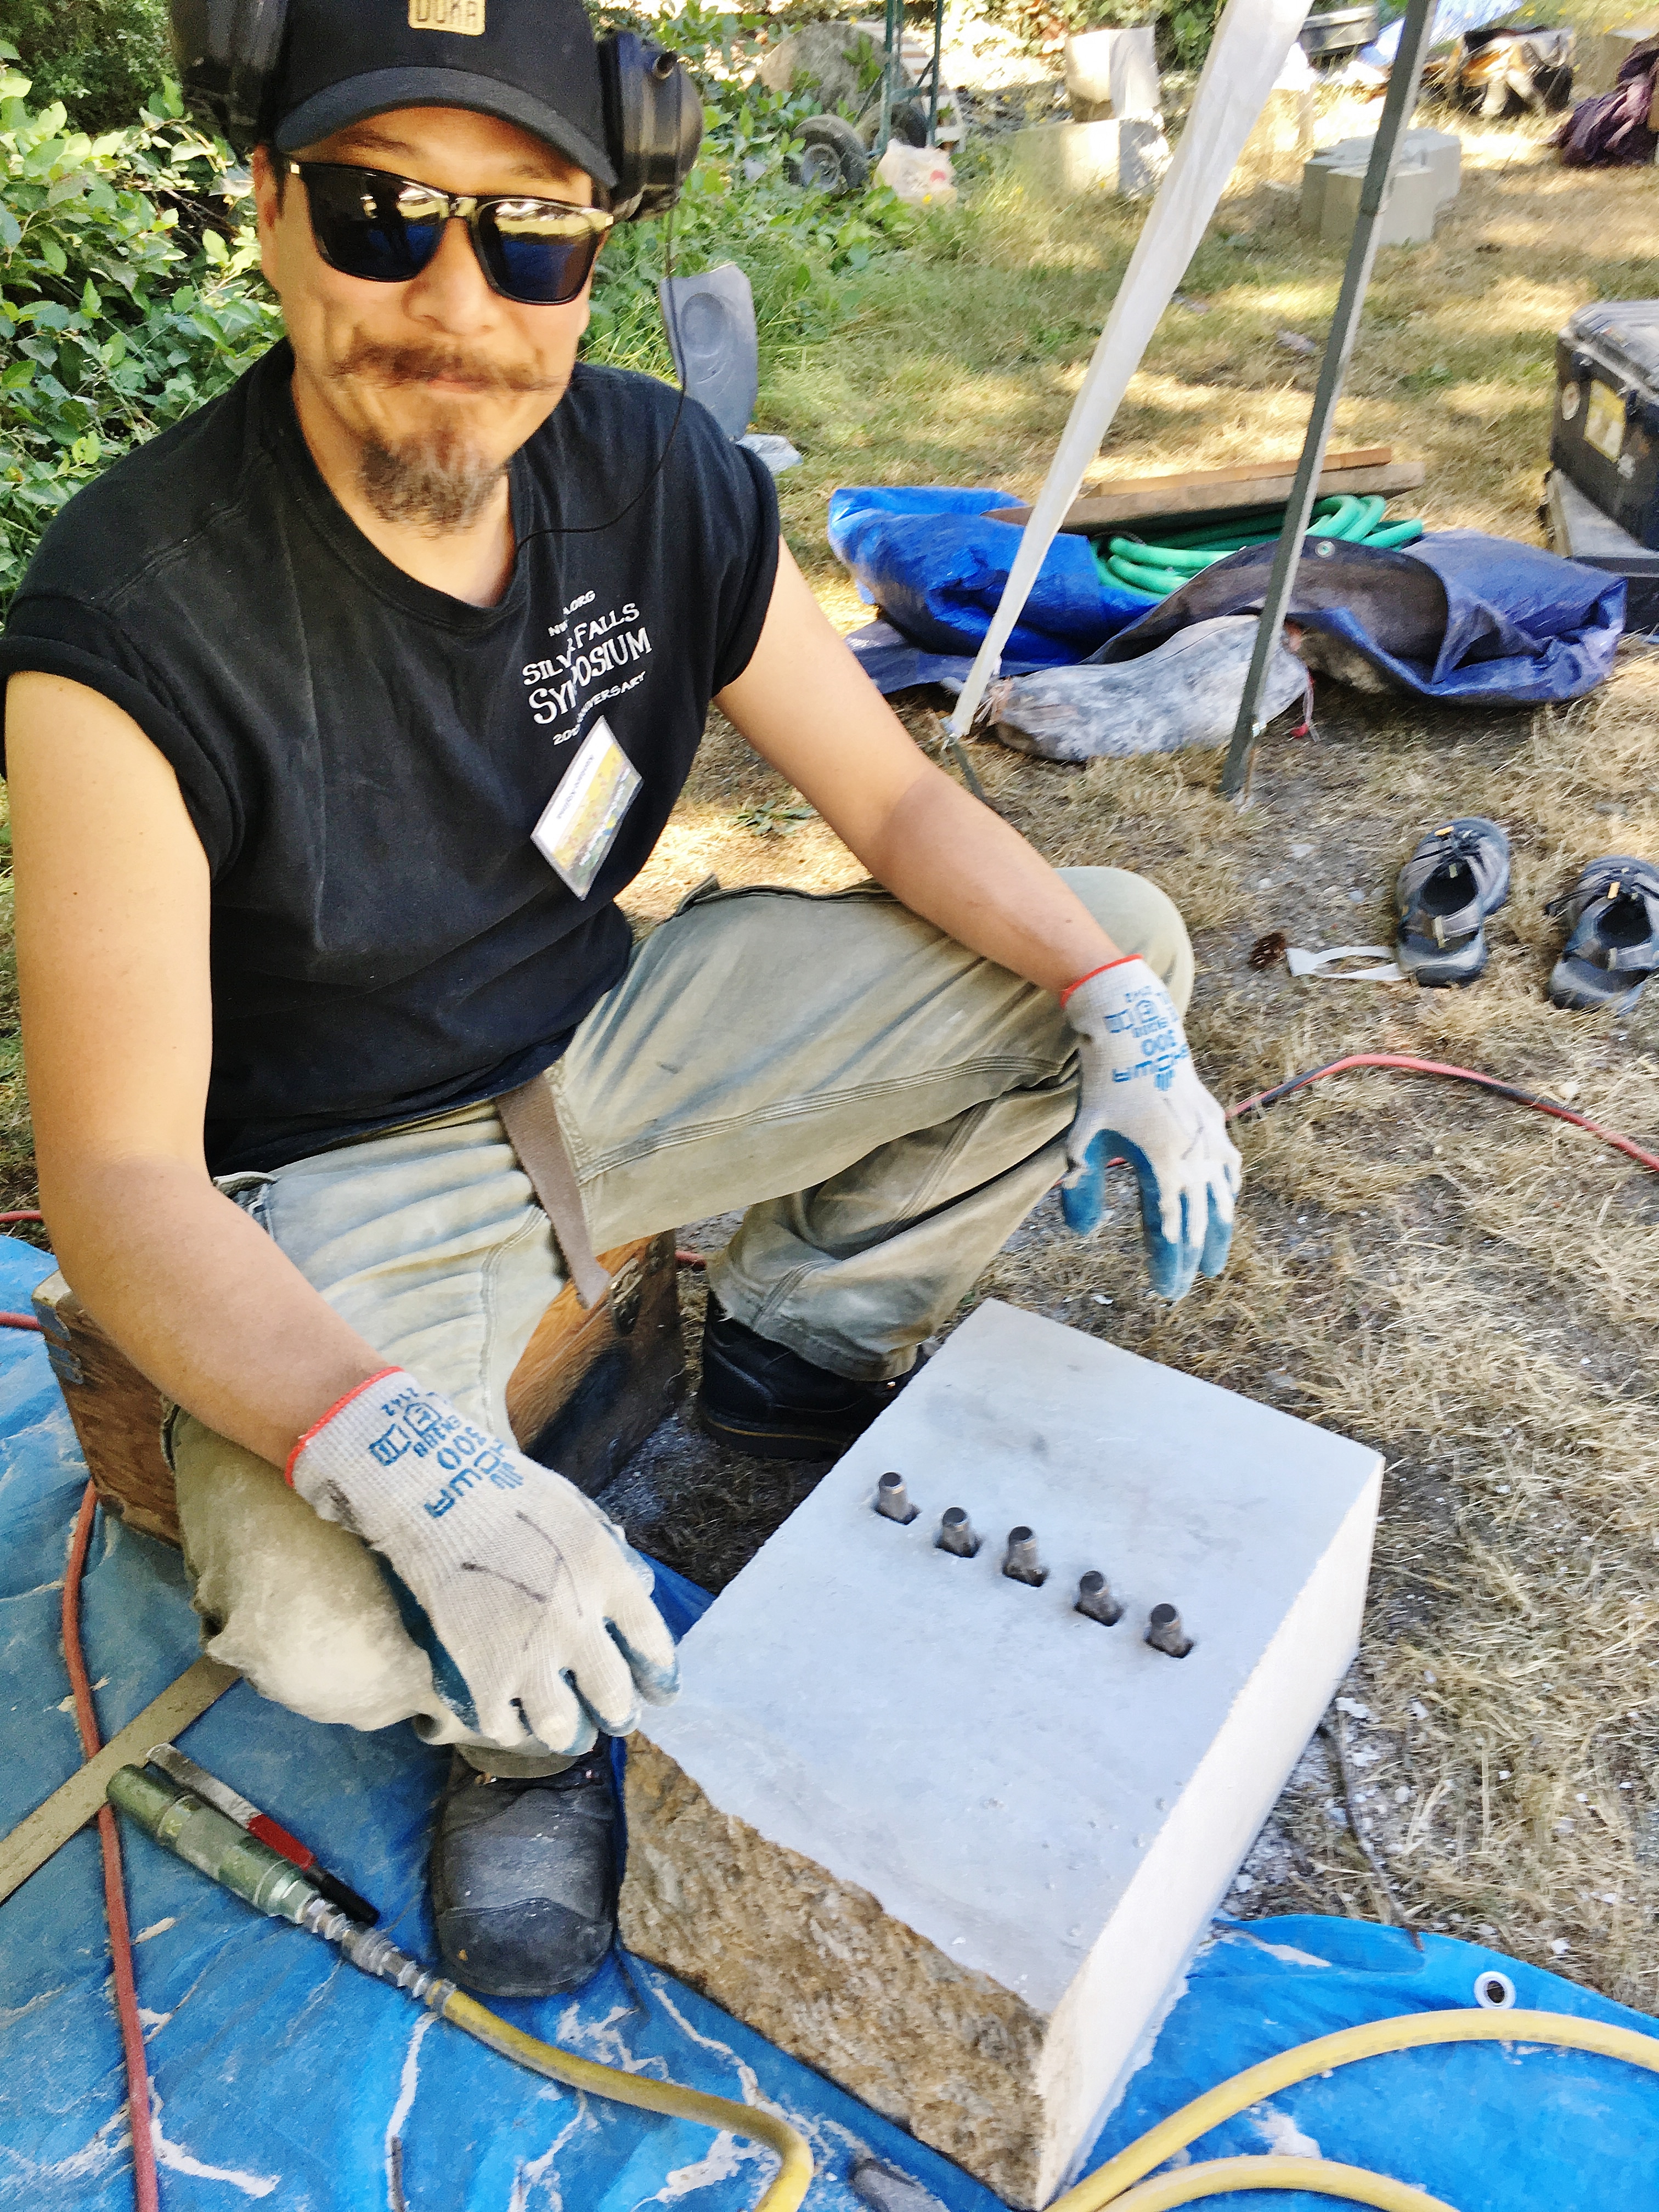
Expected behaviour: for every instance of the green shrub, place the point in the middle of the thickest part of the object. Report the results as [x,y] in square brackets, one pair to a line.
[102,58]
[127,297]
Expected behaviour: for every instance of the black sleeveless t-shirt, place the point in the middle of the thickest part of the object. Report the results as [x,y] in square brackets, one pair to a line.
[365,758]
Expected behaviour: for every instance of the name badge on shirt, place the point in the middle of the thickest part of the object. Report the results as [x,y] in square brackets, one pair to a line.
[579,823]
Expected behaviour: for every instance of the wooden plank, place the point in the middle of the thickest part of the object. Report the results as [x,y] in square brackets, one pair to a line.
[1356,456]
[1167,499]
[67,1811]
[589,1389]
[117,1413]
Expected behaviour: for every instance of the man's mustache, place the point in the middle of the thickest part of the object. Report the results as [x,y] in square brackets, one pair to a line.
[406,364]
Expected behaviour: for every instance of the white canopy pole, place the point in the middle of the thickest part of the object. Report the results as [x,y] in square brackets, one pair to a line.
[1246,55]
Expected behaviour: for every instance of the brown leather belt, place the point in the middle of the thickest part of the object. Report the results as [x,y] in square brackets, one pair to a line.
[532,1121]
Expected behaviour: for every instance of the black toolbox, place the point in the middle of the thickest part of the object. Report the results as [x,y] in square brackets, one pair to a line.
[1606,436]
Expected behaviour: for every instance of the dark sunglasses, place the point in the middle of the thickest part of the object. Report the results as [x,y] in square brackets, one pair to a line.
[368,223]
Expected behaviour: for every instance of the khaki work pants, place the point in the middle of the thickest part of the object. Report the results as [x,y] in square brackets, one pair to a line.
[888,1107]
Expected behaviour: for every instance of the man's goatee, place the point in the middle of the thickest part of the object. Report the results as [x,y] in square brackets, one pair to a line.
[436,488]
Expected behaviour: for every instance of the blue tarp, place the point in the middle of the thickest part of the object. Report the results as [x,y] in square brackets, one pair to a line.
[934,564]
[1460,616]
[281,2076]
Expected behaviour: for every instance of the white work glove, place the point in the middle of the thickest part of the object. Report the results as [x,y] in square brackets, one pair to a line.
[530,1592]
[1141,1102]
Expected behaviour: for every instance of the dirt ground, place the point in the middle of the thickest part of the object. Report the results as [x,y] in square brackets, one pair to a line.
[1472,1288]
[1469,1287]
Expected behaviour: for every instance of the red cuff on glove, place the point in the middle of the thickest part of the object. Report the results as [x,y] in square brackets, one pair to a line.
[1122,960]
[356,1391]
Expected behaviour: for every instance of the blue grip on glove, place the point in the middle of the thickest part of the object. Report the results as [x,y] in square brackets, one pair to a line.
[1171,1268]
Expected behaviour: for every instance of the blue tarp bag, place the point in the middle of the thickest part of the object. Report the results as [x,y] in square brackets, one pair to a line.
[931,558]
[1460,616]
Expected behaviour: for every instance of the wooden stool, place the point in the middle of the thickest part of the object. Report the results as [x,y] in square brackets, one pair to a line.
[588,1390]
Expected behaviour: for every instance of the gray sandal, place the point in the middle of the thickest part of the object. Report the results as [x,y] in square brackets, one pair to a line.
[1456,878]
[1613,934]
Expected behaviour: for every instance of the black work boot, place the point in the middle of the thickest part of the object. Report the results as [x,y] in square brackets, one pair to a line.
[762,1399]
[523,1877]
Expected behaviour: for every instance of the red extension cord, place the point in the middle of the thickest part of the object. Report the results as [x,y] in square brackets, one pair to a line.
[144,2191]
[1410,1067]
[126,1996]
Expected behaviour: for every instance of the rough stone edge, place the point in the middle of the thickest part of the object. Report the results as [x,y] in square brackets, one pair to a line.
[818,1966]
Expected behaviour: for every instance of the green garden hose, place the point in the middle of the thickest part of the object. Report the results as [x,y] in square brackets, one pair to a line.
[1157,570]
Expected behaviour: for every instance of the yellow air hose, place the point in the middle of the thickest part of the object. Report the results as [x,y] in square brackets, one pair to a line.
[203,1836]
[793,2177]
[1113,2184]
[1318,2176]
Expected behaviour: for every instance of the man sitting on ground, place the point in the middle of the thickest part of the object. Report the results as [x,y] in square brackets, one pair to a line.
[300,934]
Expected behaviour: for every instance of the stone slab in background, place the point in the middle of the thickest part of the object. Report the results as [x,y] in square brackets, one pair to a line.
[1598,56]
[1061,161]
[938,1834]
[1113,72]
[1441,152]
[1411,201]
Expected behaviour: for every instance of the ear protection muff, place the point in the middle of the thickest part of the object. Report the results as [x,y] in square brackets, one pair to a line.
[228,54]
[652,124]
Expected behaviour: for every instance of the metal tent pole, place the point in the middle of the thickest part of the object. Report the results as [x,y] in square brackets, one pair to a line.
[933,97]
[1332,373]
[892,31]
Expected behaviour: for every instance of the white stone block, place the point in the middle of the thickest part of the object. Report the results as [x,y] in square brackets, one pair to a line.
[1143,156]
[1441,152]
[1060,161]
[1113,72]
[1598,56]
[1409,205]
[935,1832]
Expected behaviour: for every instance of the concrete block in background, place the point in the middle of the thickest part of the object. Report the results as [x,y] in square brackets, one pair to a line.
[1112,72]
[946,1839]
[1441,151]
[1281,138]
[1410,204]
[1060,161]
[1136,87]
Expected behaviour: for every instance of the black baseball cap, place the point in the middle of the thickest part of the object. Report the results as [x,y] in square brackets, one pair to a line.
[529,62]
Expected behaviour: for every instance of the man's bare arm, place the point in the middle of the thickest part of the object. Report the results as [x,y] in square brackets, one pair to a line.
[806,705]
[112,901]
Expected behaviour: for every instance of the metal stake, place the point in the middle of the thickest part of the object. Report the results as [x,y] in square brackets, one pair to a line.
[1020,1563]
[1397,109]
[932,99]
[956,1533]
[892,31]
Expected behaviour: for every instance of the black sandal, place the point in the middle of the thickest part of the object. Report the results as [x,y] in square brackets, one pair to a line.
[1613,934]
[1458,876]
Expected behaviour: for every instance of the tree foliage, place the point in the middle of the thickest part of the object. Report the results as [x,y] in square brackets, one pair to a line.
[103,58]
[125,296]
